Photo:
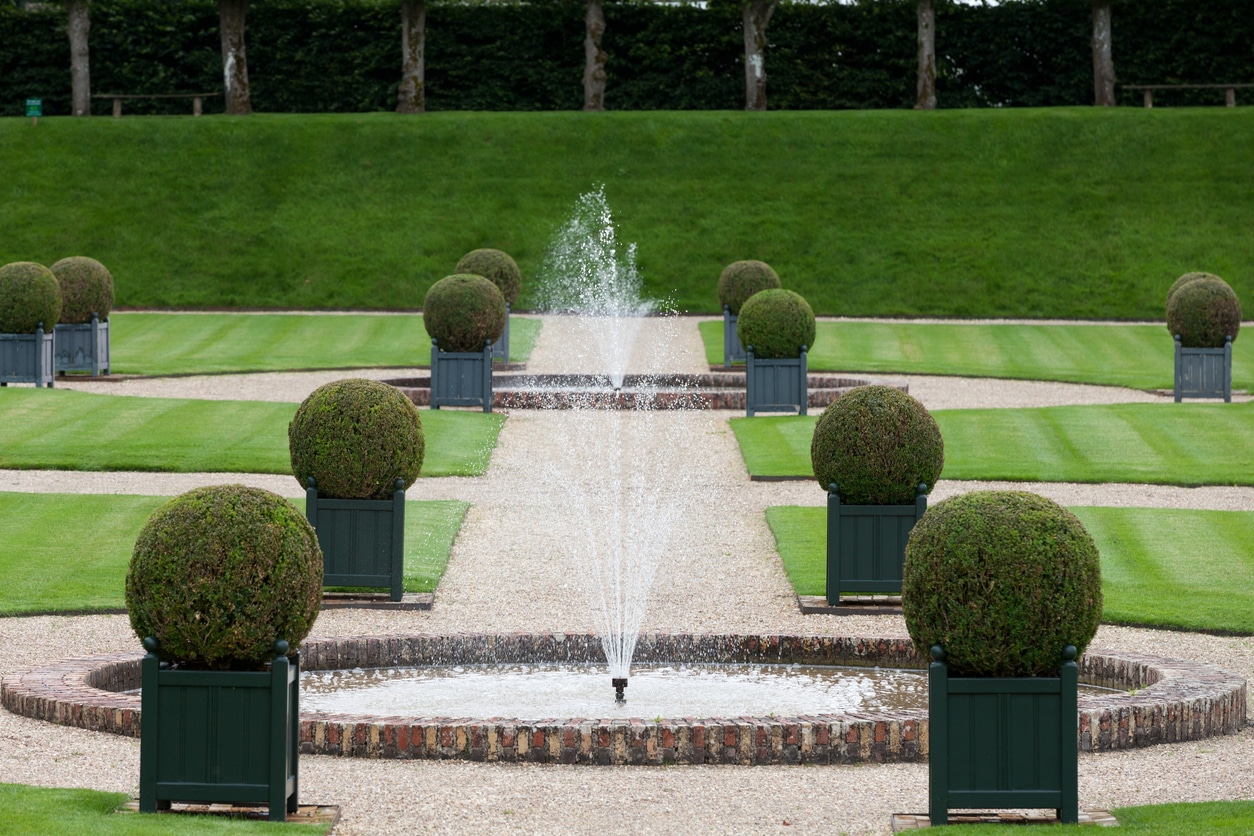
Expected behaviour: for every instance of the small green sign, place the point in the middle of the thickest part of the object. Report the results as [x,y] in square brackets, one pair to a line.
[35,107]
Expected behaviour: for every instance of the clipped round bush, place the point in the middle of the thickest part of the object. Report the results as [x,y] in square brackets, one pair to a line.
[1203,312]
[1185,279]
[742,279]
[776,323]
[463,312]
[495,266]
[29,295]
[1003,581]
[86,288]
[355,438]
[221,573]
[877,444]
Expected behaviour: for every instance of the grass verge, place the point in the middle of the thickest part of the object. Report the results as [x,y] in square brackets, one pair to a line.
[1172,444]
[64,430]
[86,572]
[1215,818]
[1161,567]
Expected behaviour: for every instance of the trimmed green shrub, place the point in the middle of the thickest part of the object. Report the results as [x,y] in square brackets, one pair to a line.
[1185,279]
[1203,312]
[355,438]
[495,266]
[776,323]
[221,573]
[86,288]
[464,312]
[29,295]
[1003,580]
[877,444]
[741,279]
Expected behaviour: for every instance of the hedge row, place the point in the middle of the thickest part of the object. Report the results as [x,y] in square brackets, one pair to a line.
[344,55]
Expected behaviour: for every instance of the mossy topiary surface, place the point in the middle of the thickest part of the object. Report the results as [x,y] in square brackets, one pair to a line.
[464,312]
[495,266]
[877,444]
[1003,580]
[220,573]
[86,288]
[776,323]
[1185,279]
[29,295]
[355,438]
[741,279]
[1203,312]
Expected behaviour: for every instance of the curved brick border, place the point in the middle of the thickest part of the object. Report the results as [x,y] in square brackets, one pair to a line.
[1168,700]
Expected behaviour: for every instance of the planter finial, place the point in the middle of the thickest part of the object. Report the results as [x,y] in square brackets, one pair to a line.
[938,653]
[280,648]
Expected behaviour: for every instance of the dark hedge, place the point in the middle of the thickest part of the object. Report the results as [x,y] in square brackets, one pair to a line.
[1204,312]
[463,312]
[29,295]
[776,323]
[741,279]
[86,289]
[495,266]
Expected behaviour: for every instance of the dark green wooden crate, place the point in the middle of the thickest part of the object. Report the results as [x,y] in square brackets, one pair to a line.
[866,544]
[83,347]
[27,358]
[733,351]
[1203,372]
[778,385]
[362,540]
[461,378]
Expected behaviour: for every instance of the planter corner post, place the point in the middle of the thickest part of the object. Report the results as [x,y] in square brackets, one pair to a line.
[398,540]
[938,738]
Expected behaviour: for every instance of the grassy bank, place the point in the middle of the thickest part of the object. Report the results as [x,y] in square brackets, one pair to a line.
[1057,212]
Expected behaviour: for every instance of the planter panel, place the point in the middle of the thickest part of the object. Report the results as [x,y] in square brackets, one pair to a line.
[27,358]
[500,348]
[866,545]
[733,351]
[362,540]
[83,348]
[461,378]
[1204,372]
[776,385]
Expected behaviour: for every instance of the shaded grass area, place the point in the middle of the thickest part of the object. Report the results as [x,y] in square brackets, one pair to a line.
[63,430]
[1162,567]
[1137,356]
[86,571]
[1221,818]
[1054,212]
[162,344]
[1173,444]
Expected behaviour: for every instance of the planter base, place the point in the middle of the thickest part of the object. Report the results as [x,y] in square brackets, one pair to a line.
[83,348]
[1203,372]
[461,378]
[776,385]
[866,545]
[362,540]
[27,358]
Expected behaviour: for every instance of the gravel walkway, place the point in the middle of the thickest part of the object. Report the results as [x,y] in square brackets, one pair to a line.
[514,568]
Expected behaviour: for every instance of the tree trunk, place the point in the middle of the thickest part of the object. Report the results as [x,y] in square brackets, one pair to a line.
[80,64]
[594,58]
[231,15]
[1103,60]
[412,95]
[757,14]
[926,99]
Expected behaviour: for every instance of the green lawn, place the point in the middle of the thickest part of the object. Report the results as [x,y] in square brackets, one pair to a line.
[1214,818]
[85,572]
[1176,444]
[158,343]
[1138,356]
[1161,567]
[63,430]
[36,811]
[1053,212]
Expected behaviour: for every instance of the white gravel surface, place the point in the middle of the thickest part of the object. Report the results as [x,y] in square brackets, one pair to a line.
[511,569]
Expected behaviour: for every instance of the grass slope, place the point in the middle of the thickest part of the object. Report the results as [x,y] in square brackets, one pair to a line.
[154,343]
[63,430]
[1174,444]
[87,572]
[1138,356]
[1161,567]
[1061,212]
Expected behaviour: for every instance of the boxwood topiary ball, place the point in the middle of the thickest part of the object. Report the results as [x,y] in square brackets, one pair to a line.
[1203,312]
[29,295]
[221,573]
[1003,580]
[742,279]
[1185,279]
[495,266]
[776,323]
[877,444]
[86,288]
[355,438]
[464,312]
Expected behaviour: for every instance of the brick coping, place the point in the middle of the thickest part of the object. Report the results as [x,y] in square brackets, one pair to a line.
[1164,701]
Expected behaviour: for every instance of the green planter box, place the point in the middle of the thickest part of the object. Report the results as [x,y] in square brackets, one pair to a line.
[733,351]
[776,385]
[1204,372]
[220,736]
[362,540]
[866,544]
[461,378]
[1002,742]
[27,358]
[82,348]
[500,348]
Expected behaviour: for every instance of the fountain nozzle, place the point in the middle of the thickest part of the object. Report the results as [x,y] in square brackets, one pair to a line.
[619,683]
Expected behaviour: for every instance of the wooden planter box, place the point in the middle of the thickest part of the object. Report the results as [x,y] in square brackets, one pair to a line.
[83,348]
[220,736]
[461,378]
[733,351]
[362,540]
[500,348]
[1002,742]
[1204,372]
[27,358]
[776,385]
[866,544]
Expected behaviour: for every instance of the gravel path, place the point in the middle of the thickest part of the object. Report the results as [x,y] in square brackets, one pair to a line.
[515,567]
